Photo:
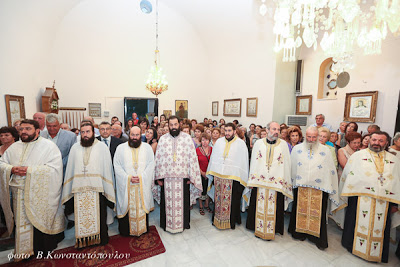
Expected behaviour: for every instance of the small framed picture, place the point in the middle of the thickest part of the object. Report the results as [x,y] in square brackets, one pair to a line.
[15,107]
[215,108]
[233,107]
[304,105]
[95,110]
[361,107]
[167,113]
[252,105]
[181,109]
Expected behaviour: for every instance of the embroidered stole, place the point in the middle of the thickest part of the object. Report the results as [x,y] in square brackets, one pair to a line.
[265,213]
[137,215]
[87,211]
[173,193]
[23,227]
[87,218]
[370,228]
[309,209]
[223,199]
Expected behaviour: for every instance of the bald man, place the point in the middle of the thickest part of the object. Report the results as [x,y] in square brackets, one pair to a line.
[116,131]
[40,117]
[65,127]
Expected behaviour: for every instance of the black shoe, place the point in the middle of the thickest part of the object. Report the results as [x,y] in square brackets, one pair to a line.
[320,248]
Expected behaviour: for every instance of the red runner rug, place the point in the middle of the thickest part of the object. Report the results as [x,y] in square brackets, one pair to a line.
[119,251]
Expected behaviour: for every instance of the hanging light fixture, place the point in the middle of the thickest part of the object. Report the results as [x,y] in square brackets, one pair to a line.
[344,24]
[156,82]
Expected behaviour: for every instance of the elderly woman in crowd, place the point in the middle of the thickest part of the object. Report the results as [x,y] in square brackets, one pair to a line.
[185,128]
[128,126]
[8,136]
[222,122]
[334,138]
[204,153]
[350,127]
[198,130]
[17,123]
[365,141]
[395,148]
[295,136]
[151,138]
[323,136]
[215,135]
[353,140]
[256,136]
[284,133]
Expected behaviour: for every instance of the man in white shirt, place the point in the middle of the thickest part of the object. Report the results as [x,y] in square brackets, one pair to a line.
[105,136]
[320,122]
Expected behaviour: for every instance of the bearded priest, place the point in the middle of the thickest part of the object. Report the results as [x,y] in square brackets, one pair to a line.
[32,169]
[370,188]
[314,179]
[229,171]
[177,167]
[270,178]
[134,179]
[89,189]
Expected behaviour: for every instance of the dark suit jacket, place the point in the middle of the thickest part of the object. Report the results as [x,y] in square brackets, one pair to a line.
[113,145]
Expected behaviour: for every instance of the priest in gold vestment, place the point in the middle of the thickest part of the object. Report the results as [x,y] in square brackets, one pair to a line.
[88,192]
[370,188]
[227,172]
[134,179]
[32,170]
[314,179]
[270,179]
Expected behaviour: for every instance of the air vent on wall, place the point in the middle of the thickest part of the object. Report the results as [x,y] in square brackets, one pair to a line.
[300,120]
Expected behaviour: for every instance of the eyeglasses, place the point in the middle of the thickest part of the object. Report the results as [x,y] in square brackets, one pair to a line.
[105,129]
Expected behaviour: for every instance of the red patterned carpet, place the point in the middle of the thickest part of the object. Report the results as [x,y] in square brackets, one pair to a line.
[119,251]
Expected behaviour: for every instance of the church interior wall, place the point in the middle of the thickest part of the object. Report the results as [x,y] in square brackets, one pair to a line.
[371,73]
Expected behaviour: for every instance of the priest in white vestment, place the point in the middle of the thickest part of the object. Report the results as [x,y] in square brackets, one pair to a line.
[134,179]
[88,190]
[177,167]
[370,188]
[228,172]
[314,179]
[270,178]
[32,170]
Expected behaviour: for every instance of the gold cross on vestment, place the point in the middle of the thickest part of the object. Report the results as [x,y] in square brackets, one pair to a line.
[84,170]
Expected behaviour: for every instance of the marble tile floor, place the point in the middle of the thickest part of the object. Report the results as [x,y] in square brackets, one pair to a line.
[204,245]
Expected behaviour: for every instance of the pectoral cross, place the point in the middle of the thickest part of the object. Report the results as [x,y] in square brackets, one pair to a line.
[381,179]
[174,156]
[84,170]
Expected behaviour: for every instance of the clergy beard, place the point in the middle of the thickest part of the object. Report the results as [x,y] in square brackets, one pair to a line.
[174,132]
[135,143]
[230,138]
[87,142]
[375,148]
[312,145]
[273,137]
[26,138]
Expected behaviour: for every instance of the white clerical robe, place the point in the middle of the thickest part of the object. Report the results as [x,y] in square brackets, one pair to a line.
[124,167]
[175,160]
[36,196]
[270,173]
[89,172]
[314,168]
[375,179]
[229,162]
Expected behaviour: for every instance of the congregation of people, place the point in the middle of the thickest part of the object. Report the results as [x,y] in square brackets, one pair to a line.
[86,178]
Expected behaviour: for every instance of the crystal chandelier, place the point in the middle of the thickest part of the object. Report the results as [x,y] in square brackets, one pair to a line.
[344,26]
[156,82]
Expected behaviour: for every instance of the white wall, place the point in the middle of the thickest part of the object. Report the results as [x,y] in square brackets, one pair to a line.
[371,73]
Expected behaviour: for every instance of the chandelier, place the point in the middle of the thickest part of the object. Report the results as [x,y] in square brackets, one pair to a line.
[343,24]
[156,82]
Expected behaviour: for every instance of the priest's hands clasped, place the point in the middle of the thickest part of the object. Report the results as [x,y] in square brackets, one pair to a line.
[19,170]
